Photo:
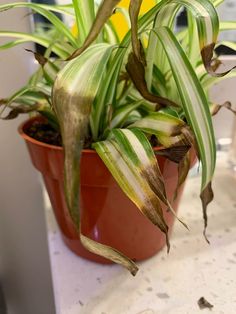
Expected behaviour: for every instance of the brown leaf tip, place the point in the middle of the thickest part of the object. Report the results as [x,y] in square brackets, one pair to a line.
[38,57]
[211,64]
[207,54]
[134,270]
[206,196]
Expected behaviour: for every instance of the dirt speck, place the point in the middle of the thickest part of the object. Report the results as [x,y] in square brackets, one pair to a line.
[81,303]
[149,289]
[148,311]
[231,261]
[163,295]
[204,304]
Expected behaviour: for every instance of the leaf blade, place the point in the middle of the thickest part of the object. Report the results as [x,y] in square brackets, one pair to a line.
[194,102]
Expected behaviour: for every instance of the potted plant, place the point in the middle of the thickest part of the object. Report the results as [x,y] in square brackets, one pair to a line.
[129,115]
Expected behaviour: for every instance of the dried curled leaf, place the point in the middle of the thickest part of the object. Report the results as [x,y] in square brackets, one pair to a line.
[204,304]
[136,71]
[206,196]
[134,9]
[50,70]
[3,101]
[216,108]
[189,136]
[38,57]
[210,65]
[178,154]
[175,153]
[109,253]
[21,109]
[183,169]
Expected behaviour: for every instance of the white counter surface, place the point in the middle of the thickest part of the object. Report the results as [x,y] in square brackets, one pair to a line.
[165,284]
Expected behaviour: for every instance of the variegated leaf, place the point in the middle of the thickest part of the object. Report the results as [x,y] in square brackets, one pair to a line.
[73,94]
[194,102]
[127,175]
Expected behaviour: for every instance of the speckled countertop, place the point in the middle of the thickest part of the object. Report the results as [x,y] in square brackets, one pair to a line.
[164,284]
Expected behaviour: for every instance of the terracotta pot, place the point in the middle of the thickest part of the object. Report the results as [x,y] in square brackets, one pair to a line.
[107,215]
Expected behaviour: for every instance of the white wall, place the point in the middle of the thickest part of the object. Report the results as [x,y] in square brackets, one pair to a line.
[24,262]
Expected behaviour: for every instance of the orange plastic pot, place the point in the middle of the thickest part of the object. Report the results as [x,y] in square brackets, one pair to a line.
[107,215]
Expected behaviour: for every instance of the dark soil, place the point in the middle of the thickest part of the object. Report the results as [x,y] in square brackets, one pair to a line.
[154,142]
[42,131]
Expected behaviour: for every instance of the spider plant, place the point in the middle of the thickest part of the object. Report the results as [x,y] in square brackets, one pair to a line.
[122,93]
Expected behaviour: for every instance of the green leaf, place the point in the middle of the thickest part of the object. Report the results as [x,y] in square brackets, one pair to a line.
[85,14]
[194,102]
[105,96]
[165,17]
[62,52]
[160,124]
[217,2]
[227,26]
[207,22]
[59,25]
[121,114]
[110,35]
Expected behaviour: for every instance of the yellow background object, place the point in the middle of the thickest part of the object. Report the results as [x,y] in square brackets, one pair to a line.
[119,21]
